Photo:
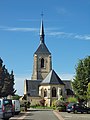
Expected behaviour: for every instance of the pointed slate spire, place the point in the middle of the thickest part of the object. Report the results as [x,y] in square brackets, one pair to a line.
[42,49]
[42,33]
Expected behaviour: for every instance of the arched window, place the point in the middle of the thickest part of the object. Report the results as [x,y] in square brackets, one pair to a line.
[53,92]
[42,63]
[45,93]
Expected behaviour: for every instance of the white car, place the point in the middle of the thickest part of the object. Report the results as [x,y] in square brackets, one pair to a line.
[6,108]
[16,106]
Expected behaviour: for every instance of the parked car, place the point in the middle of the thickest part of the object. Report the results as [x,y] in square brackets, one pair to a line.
[6,109]
[16,106]
[69,107]
[77,107]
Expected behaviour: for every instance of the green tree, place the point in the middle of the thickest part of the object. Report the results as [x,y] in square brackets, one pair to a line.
[15,97]
[1,79]
[11,83]
[6,81]
[1,74]
[82,78]
[88,91]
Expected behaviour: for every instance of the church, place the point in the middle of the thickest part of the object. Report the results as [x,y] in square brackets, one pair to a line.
[45,83]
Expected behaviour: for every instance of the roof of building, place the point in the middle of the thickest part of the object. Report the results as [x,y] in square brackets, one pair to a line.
[52,78]
[32,87]
[67,84]
[42,49]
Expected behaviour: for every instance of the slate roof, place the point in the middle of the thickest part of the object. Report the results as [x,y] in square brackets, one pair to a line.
[52,78]
[33,87]
[42,49]
[68,87]
[67,84]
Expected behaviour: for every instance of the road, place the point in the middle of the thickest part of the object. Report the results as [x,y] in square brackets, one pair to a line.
[50,115]
[72,116]
[36,115]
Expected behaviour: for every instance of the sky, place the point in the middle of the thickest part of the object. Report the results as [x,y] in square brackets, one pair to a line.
[67,35]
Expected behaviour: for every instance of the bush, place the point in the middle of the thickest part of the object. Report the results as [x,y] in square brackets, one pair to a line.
[61,109]
[28,104]
[72,99]
[42,102]
[54,103]
[61,105]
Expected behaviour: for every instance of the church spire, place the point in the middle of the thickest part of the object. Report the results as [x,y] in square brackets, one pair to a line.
[42,32]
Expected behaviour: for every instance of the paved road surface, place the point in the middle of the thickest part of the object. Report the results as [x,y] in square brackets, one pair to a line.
[50,115]
[36,115]
[78,116]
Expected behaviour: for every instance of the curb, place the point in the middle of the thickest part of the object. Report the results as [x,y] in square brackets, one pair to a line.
[58,115]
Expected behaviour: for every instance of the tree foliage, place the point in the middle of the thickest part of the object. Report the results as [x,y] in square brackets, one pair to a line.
[15,97]
[82,78]
[6,81]
[88,91]
[72,99]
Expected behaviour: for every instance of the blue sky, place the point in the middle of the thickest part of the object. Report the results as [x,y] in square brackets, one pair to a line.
[67,35]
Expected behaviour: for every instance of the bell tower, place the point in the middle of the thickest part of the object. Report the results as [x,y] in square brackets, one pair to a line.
[42,58]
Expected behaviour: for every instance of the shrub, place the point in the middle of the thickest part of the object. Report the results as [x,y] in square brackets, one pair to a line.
[42,102]
[72,99]
[61,105]
[61,109]
[54,103]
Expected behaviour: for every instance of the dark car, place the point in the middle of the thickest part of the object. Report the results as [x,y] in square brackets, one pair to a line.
[77,107]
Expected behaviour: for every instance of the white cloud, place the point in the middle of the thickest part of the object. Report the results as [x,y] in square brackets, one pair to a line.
[69,35]
[50,31]
[22,29]
[61,34]
[85,37]
[19,29]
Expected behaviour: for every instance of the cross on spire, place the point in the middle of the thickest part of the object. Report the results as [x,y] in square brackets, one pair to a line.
[42,14]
